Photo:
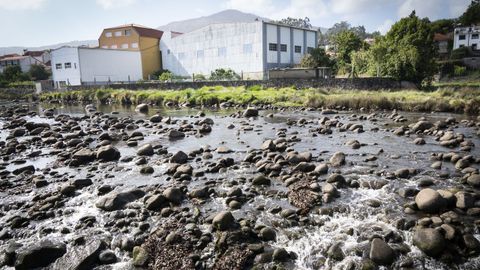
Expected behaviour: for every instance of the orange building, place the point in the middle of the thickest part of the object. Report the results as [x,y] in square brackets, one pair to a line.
[134,37]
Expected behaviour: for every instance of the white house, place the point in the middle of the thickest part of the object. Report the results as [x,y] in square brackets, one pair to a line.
[467,37]
[26,60]
[82,65]
[250,49]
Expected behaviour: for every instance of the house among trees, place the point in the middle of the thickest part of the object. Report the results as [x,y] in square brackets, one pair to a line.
[467,37]
[442,44]
[25,61]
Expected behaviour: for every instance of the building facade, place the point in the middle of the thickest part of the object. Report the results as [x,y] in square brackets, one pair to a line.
[250,49]
[26,60]
[467,37]
[83,66]
[132,37]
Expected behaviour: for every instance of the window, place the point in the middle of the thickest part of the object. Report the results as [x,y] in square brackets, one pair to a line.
[298,49]
[68,65]
[118,33]
[474,36]
[309,49]
[222,51]
[135,45]
[272,47]
[128,32]
[58,66]
[247,48]
[181,56]
[200,54]
[108,34]
[125,46]
[461,37]
[113,47]
[283,47]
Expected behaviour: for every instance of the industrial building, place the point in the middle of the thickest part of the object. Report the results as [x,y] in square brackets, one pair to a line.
[250,49]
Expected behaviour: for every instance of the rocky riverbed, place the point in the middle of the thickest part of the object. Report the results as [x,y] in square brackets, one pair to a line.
[83,187]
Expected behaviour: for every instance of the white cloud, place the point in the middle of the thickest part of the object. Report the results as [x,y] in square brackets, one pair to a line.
[257,6]
[423,8]
[385,26]
[21,4]
[457,7]
[303,8]
[110,4]
[354,6]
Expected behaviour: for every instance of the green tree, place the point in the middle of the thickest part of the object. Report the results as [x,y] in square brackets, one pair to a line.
[443,26]
[14,74]
[408,50]
[224,75]
[317,58]
[472,14]
[38,73]
[346,42]
[165,76]
[296,22]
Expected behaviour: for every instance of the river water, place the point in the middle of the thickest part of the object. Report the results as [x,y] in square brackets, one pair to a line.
[309,242]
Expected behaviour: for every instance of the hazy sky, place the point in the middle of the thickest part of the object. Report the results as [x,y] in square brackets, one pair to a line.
[45,22]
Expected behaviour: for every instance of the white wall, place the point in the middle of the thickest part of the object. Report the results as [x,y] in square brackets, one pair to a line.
[272,56]
[469,40]
[197,52]
[66,76]
[101,65]
[298,41]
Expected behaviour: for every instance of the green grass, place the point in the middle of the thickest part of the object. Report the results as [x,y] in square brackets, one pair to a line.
[445,100]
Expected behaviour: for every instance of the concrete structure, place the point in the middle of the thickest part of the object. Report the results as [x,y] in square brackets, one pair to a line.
[83,66]
[300,73]
[467,37]
[26,60]
[250,49]
[134,37]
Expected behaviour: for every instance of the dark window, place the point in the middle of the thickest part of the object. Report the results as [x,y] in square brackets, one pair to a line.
[461,37]
[309,49]
[272,47]
[283,47]
[475,36]
[68,65]
[58,66]
[298,49]
[461,46]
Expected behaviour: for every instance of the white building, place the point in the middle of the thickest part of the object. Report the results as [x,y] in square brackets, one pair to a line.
[250,49]
[26,60]
[82,65]
[467,37]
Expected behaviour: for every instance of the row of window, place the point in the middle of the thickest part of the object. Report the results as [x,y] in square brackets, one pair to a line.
[120,33]
[10,63]
[123,46]
[67,65]
[221,52]
[463,37]
[283,48]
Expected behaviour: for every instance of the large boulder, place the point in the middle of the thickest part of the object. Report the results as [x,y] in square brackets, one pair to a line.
[180,157]
[430,201]
[39,255]
[143,108]
[381,253]
[474,180]
[175,134]
[108,153]
[173,194]
[117,201]
[156,202]
[338,159]
[145,150]
[430,241]
[84,155]
[421,126]
[80,257]
[261,180]
[250,112]
[223,221]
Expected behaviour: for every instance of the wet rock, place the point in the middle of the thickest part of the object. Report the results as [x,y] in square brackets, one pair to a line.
[156,202]
[175,134]
[107,257]
[147,170]
[437,165]
[402,173]
[156,118]
[145,150]
[117,201]
[261,180]
[421,126]
[381,253]
[140,256]
[464,200]
[250,112]
[471,243]
[199,193]
[338,159]
[185,169]
[224,150]
[143,108]
[108,153]
[19,132]
[430,201]
[223,221]
[39,254]
[430,241]
[474,180]
[84,155]
[335,252]
[321,169]
[29,169]
[268,234]
[304,167]
[280,255]
[419,141]
[268,145]
[173,195]
[80,257]
[180,157]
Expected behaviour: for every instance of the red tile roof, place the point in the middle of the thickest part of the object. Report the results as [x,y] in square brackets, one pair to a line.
[34,53]
[440,37]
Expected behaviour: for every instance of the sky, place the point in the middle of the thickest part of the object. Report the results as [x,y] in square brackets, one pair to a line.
[44,22]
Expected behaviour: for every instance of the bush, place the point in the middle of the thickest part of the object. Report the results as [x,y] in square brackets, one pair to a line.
[460,53]
[166,76]
[460,71]
[200,77]
[224,75]
[38,73]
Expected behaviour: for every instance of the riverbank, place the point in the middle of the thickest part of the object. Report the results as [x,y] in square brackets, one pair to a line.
[444,100]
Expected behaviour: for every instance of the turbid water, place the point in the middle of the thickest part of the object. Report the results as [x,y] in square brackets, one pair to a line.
[335,230]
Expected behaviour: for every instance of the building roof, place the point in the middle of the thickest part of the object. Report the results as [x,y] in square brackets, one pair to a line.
[34,53]
[440,37]
[14,57]
[141,30]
